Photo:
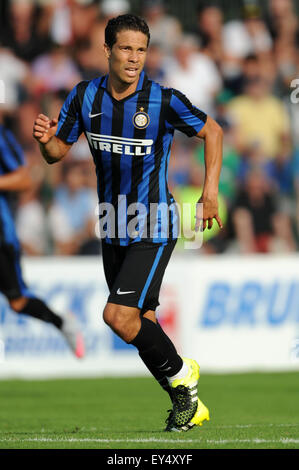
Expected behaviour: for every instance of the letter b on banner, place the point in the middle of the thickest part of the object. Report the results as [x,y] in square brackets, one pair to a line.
[214,312]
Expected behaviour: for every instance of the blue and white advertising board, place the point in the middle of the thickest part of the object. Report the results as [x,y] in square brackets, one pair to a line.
[230,313]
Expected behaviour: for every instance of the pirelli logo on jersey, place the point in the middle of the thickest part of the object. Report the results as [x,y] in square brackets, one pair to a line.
[120,145]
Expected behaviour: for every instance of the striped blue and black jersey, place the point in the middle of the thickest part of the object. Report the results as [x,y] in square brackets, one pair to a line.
[130,141]
[11,158]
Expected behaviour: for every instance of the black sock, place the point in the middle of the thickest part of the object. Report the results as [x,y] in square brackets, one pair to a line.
[38,309]
[157,352]
[160,376]
[171,345]
[163,381]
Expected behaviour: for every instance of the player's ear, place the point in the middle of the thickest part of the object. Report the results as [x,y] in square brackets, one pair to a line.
[107,51]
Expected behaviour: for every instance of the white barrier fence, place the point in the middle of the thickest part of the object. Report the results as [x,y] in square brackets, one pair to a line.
[230,313]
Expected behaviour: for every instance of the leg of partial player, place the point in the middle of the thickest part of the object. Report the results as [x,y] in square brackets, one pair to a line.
[36,308]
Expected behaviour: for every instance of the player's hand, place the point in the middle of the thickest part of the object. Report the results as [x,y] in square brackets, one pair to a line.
[44,128]
[206,213]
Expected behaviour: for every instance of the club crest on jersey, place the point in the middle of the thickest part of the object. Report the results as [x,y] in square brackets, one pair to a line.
[141,119]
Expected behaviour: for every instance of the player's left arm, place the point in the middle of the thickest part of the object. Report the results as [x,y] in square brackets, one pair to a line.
[183,116]
[212,134]
[17,180]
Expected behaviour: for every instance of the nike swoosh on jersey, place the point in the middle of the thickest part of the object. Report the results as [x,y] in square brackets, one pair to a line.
[127,292]
[94,115]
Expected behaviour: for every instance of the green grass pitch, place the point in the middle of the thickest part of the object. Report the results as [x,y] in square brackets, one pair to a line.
[247,411]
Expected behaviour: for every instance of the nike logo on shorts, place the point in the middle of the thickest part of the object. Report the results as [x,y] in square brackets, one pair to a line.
[119,292]
[94,115]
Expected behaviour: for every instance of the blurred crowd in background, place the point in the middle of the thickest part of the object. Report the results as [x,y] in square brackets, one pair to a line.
[238,70]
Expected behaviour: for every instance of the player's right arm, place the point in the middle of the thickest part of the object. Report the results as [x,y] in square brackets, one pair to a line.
[52,148]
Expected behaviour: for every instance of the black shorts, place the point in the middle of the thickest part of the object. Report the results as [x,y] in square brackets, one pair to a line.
[134,273]
[11,280]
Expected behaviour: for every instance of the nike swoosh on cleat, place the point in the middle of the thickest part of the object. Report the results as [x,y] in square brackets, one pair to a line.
[127,292]
[94,115]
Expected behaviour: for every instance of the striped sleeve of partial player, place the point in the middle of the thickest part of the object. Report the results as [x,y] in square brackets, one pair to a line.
[183,116]
[11,153]
[70,125]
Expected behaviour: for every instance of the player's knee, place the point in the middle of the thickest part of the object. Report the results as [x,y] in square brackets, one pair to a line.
[119,320]
[113,317]
[108,315]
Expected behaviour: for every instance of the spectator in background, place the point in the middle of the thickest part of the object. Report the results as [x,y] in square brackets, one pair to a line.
[17,78]
[261,120]
[155,67]
[249,69]
[194,73]
[72,215]
[60,29]
[31,220]
[26,32]
[84,60]
[286,61]
[165,29]
[72,20]
[283,25]
[90,53]
[259,226]
[210,30]
[54,71]
[242,38]
[38,172]
[249,36]
[282,22]
[23,125]
[83,14]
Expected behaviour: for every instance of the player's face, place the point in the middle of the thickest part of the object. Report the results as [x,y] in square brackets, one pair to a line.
[127,56]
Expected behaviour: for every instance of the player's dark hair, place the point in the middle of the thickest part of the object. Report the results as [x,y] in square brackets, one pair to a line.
[124,23]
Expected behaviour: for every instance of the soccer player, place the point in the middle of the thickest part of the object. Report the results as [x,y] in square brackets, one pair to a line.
[129,122]
[14,177]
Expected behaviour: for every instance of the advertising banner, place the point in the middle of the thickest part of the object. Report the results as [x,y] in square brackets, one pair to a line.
[229,313]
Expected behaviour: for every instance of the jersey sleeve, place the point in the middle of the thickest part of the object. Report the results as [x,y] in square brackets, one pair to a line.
[12,155]
[183,116]
[70,119]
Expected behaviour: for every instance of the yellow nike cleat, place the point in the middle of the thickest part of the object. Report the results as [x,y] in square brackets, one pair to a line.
[202,414]
[184,397]
[186,403]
